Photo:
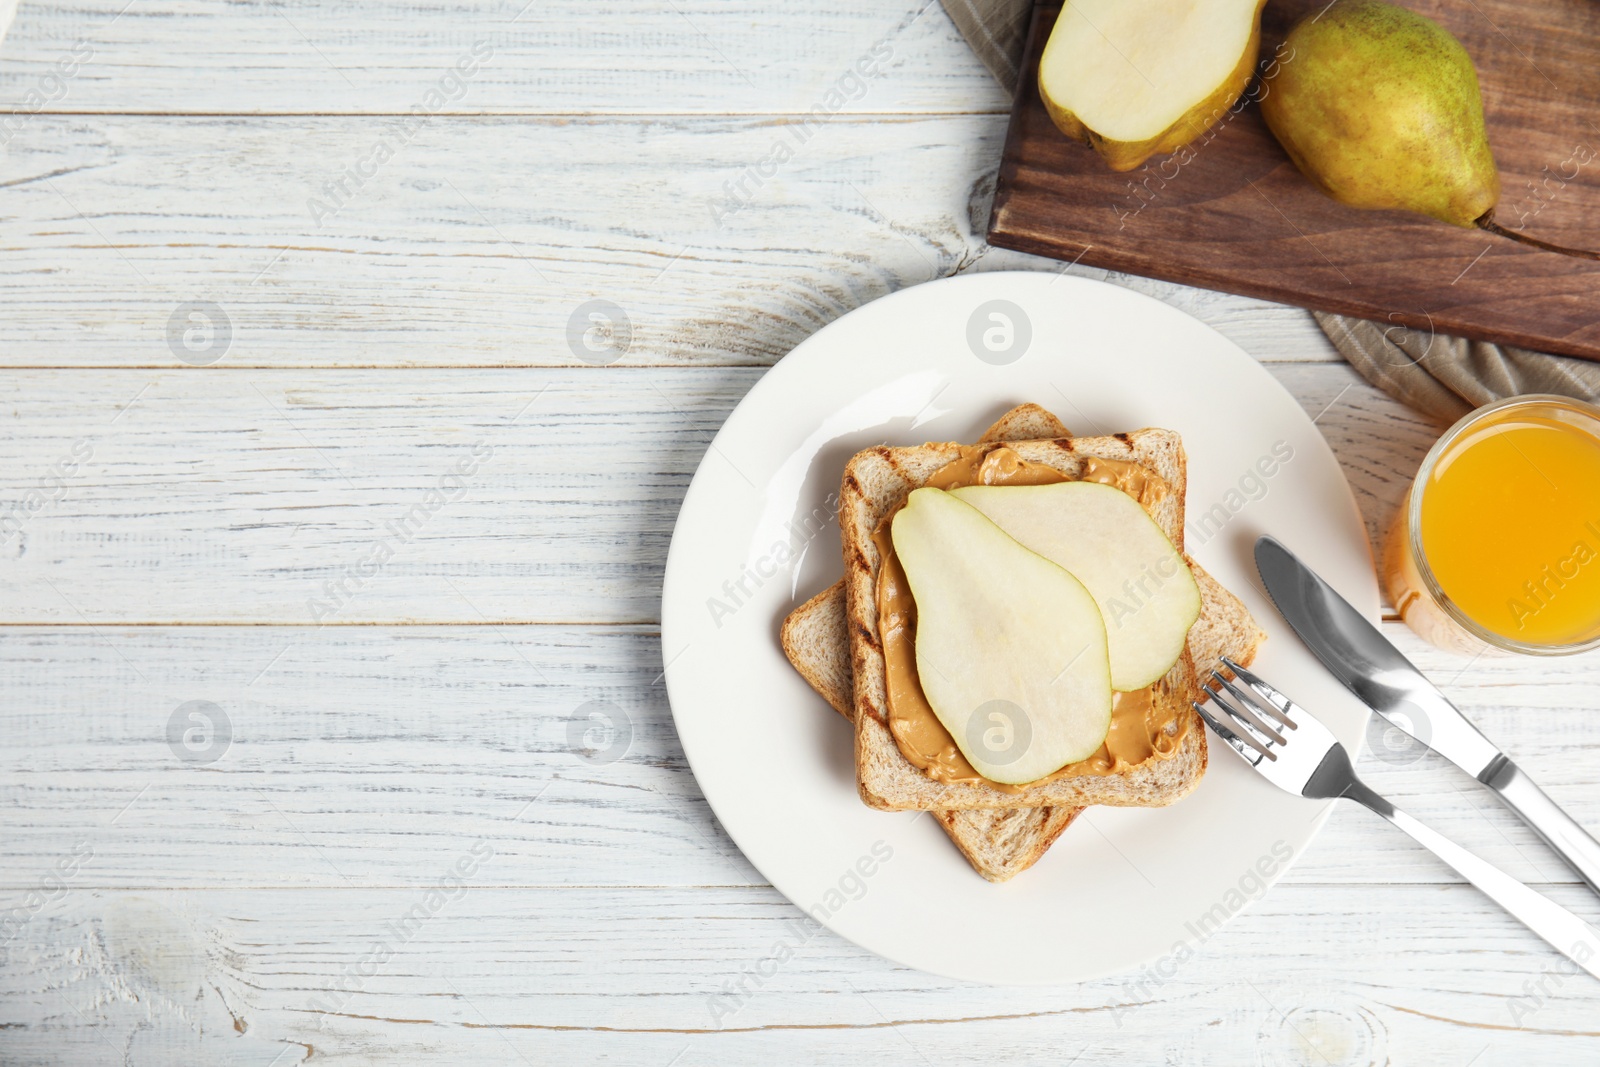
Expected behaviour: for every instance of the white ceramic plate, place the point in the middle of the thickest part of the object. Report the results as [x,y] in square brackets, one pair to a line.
[1123,888]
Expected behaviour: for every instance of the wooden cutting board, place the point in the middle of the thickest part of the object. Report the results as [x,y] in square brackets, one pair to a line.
[1234,214]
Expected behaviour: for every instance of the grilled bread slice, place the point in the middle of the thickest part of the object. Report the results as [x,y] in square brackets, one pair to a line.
[878,480]
[999,843]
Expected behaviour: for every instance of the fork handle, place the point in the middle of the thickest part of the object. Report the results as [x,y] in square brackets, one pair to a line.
[1566,933]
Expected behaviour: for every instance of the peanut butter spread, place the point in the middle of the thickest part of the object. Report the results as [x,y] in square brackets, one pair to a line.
[1139,731]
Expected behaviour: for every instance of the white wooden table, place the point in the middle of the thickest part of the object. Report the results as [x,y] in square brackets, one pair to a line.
[390,852]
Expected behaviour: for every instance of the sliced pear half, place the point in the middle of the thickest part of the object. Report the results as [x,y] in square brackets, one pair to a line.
[1140,581]
[1011,649]
[1135,78]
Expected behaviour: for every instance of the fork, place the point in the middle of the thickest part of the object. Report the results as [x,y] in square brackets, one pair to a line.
[1258,723]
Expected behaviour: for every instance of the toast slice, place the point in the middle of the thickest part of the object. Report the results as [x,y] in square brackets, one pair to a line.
[875,482]
[1000,843]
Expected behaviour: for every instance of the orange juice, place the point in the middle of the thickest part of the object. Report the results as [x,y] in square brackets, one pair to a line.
[1504,525]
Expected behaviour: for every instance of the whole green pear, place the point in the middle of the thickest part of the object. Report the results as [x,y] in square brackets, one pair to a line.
[1380,107]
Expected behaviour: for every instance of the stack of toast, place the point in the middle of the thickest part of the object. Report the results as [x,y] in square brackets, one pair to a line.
[833,642]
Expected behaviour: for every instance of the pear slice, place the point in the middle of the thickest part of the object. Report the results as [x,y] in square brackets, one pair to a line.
[1135,78]
[1011,649]
[1140,581]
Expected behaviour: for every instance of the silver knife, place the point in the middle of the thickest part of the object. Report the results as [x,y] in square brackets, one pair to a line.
[1383,679]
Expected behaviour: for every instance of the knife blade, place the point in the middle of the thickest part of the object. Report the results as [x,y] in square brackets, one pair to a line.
[1381,677]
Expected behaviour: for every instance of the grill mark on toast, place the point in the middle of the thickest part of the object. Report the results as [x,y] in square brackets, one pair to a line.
[867,635]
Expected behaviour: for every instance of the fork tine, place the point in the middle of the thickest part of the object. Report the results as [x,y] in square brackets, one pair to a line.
[1238,728]
[1246,711]
[1234,741]
[1277,705]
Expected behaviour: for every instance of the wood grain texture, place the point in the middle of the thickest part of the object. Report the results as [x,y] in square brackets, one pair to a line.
[115,222]
[353,757]
[484,974]
[1233,213]
[242,496]
[625,57]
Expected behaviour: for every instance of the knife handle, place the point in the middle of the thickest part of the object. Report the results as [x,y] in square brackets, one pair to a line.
[1558,829]
[1564,931]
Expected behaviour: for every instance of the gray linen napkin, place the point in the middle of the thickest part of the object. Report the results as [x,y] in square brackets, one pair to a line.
[1444,377]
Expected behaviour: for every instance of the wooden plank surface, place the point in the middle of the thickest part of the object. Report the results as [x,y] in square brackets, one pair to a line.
[1233,213]
[430,263]
[623,57]
[351,757]
[237,496]
[492,975]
